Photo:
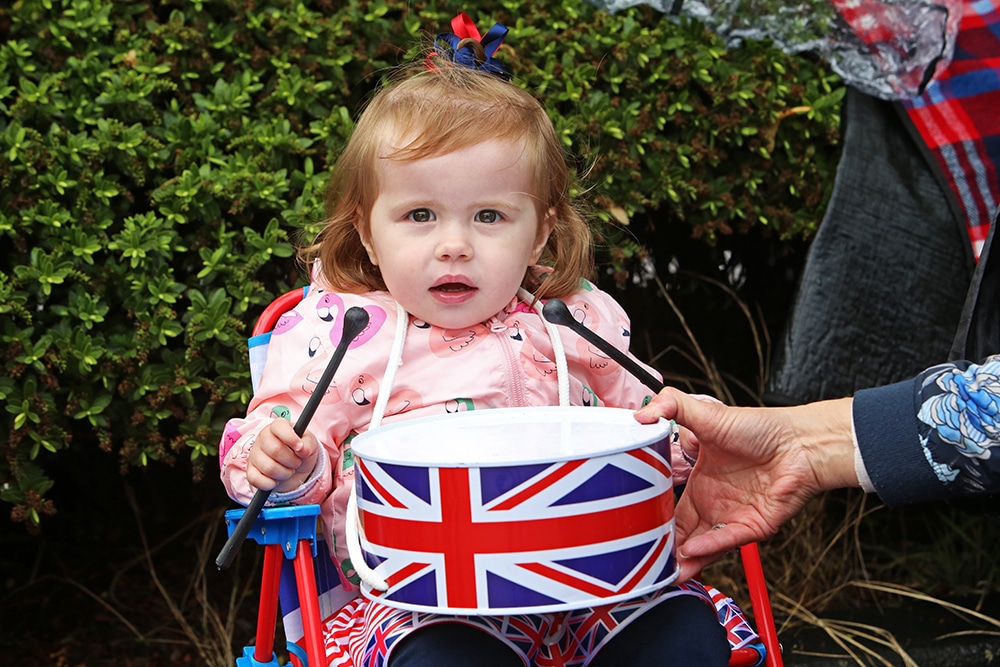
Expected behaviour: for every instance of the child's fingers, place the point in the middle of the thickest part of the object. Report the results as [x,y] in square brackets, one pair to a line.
[266,473]
[283,430]
[280,459]
[270,456]
[308,447]
[272,443]
[303,447]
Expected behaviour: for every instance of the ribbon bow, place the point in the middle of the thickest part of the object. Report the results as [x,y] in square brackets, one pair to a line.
[466,47]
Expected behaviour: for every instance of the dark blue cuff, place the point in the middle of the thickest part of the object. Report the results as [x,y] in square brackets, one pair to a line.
[885,423]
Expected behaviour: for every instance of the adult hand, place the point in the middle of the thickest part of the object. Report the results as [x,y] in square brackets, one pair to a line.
[756,469]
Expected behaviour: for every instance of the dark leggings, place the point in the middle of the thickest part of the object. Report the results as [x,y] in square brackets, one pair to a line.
[682,631]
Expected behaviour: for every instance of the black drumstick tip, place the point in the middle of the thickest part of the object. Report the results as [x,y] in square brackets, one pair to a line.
[355,320]
[555,311]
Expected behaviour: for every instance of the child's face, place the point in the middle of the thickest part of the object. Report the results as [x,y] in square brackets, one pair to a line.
[454,234]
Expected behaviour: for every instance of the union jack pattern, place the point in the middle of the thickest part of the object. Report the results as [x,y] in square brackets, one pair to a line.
[570,513]
[738,628]
[364,631]
[332,595]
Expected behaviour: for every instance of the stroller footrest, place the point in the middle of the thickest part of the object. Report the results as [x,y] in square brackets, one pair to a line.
[284,525]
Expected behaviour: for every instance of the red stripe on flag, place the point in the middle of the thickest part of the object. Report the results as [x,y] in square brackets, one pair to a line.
[382,491]
[405,573]
[652,460]
[551,477]
[590,587]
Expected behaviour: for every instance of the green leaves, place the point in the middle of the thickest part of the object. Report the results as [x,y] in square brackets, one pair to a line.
[16,137]
[680,128]
[230,96]
[91,411]
[210,316]
[44,269]
[143,238]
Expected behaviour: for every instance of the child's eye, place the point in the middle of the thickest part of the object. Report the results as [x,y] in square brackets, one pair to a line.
[420,215]
[488,216]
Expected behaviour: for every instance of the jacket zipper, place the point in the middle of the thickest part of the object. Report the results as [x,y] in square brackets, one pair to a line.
[515,380]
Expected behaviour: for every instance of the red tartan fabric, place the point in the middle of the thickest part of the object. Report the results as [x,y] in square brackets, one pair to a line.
[957,117]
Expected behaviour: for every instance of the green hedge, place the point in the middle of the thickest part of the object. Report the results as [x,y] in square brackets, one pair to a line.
[159,159]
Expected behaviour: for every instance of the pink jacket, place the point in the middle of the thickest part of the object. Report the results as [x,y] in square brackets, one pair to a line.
[508,361]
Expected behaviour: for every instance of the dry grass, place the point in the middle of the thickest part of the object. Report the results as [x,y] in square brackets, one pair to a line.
[204,622]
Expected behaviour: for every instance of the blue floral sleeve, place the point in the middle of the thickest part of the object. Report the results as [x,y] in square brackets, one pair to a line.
[958,425]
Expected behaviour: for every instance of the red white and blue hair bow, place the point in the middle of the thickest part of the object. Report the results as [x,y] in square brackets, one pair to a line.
[465,46]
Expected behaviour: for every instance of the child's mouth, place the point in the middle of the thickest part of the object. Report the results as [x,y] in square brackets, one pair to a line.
[453,287]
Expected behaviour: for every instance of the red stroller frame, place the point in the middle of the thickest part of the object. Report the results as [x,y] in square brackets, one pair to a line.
[289,535]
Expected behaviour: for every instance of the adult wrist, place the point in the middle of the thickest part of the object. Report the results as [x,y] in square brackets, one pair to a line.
[828,436]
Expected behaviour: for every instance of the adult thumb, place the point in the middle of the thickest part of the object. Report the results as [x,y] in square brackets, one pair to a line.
[673,404]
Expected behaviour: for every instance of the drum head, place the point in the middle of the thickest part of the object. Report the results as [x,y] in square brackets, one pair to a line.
[500,436]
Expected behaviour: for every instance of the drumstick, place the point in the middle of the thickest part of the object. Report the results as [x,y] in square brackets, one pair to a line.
[355,319]
[555,311]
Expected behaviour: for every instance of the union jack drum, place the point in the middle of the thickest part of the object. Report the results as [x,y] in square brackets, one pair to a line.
[516,510]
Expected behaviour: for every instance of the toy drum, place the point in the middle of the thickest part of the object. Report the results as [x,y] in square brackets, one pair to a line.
[516,510]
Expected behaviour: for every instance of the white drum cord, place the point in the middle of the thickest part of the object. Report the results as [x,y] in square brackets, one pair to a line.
[352,528]
[558,351]
[366,574]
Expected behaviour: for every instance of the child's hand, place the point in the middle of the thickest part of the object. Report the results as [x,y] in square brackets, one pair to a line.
[280,460]
[684,452]
[683,455]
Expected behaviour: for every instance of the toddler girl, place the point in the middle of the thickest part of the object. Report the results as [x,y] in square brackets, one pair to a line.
[450,223]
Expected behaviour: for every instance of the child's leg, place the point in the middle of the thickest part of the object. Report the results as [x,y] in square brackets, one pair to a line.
[452,645]
[681,631]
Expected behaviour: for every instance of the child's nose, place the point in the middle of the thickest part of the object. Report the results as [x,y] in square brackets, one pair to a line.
[454,243]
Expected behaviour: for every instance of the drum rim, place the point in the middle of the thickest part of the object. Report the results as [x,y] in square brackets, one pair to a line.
[365,445]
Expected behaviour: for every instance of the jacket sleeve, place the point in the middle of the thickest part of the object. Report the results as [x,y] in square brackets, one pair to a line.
[281,395]
[934,437]
[612,384]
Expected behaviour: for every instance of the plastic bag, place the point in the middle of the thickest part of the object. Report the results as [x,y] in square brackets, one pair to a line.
[887,48]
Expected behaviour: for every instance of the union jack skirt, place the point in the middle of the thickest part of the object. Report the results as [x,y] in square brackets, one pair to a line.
[364,632]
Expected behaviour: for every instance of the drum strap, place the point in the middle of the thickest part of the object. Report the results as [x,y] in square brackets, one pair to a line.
[395,361]
[562,368]
[361,568]
[396,357]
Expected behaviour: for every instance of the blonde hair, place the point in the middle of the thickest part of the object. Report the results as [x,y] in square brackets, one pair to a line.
[445,110]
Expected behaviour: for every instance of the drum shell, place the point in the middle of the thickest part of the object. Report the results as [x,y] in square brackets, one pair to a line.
[520,510]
